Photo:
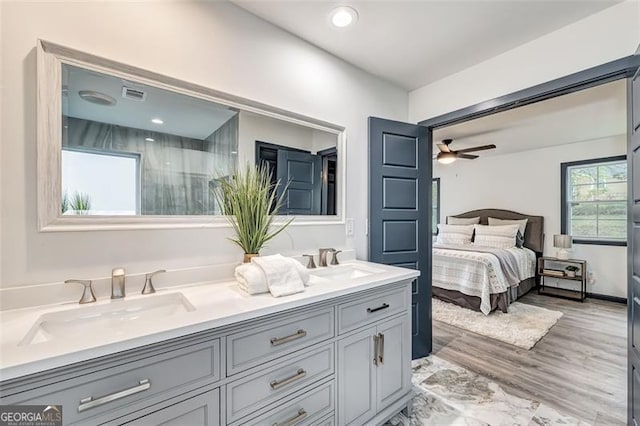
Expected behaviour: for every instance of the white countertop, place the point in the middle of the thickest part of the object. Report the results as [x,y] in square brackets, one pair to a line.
[216,305]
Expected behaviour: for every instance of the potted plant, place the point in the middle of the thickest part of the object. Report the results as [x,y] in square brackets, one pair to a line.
[571,271]
[249,200]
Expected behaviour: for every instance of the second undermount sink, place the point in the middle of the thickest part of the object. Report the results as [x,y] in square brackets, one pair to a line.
[345,272]
[115,317]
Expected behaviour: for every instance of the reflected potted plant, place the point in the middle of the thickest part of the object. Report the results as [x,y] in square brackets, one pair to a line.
[249,201]
[80,203]
[571,270]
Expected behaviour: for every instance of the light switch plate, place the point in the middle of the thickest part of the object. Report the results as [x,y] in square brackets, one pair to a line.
[350,225]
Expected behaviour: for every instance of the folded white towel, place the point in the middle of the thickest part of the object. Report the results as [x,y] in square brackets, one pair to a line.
[304,272]
[283,277]
[251,278]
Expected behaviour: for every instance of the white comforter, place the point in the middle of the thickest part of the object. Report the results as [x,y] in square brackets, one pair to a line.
[478,274]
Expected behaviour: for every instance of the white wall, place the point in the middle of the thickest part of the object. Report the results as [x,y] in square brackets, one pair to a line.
[529,182]
[605,36]
[214,44]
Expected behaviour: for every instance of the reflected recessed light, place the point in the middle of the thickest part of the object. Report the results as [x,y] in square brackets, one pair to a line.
[149,139]
[157,121]
[343,16]
[97,98]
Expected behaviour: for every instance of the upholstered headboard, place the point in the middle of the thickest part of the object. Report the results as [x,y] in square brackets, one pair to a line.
[533,234]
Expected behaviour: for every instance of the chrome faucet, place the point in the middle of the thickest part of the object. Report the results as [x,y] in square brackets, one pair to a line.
[322,260]
[334,259]
[310,264]
[117,283]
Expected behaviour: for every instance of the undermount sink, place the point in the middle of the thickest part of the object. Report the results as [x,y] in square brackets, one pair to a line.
[114,317]
[345,272]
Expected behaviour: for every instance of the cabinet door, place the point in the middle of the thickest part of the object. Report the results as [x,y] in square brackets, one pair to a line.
[356,378]
[201,410]
[394,368]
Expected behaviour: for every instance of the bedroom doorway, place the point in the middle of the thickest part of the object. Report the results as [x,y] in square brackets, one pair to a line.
[623,71]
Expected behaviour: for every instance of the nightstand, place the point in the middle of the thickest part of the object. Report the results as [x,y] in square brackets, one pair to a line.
[555,268]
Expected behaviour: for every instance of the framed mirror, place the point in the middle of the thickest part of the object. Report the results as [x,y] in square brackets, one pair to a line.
[124,148]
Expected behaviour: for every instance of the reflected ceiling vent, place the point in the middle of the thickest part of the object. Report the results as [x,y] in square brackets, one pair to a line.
[133,94]
[97,98]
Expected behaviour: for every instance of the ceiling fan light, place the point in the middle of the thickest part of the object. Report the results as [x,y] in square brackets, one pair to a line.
[446,157]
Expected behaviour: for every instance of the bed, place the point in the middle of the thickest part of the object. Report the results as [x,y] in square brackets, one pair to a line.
[476,278]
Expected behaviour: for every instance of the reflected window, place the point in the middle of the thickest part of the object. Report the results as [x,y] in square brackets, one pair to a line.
[100,183]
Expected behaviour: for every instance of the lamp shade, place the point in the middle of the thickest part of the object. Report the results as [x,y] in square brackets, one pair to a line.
[562,241]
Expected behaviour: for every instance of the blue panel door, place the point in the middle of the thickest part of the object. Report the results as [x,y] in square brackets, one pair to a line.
[400,212]
[303,171]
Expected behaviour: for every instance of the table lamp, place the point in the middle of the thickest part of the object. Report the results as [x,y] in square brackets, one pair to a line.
[563,244]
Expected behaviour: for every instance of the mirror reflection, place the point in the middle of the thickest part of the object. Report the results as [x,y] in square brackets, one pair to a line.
[135,149]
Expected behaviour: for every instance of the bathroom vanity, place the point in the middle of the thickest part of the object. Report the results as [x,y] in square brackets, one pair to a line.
[337,354]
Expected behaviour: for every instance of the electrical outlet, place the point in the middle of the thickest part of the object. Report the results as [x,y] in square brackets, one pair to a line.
[350,225]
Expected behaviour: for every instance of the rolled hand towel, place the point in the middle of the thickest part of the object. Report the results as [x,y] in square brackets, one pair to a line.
[304,272]
[282,276]
[251,278]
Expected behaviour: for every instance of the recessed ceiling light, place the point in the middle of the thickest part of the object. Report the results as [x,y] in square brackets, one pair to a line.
[343,16]
[157,121]
[149,139]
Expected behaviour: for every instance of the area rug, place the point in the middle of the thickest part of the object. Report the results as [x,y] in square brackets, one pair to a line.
[523,326]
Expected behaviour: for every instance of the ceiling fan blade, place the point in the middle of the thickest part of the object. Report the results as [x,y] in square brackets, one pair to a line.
[477,148]
[443,148]
[467,156]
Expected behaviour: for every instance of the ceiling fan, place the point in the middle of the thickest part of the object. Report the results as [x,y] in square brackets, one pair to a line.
[448,155]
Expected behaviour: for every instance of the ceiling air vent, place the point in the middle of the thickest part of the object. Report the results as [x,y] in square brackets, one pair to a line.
[133,94]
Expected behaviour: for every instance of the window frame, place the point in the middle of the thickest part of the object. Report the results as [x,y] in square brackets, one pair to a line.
[564,222]
[434,226]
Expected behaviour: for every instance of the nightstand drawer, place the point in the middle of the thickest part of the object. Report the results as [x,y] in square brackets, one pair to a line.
[258,345]
[248,394]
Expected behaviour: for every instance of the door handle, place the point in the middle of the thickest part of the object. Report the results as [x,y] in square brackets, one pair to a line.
[376,345]
[280,340]
[381,348]
[88,402]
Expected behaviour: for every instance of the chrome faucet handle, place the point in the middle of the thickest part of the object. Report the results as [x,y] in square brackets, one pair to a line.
[148,282]
[87,293]
[334,259]
[311,264]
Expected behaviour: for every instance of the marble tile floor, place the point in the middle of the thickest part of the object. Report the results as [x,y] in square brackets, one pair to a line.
[448,394]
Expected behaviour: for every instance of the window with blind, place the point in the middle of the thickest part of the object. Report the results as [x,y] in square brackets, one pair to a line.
[594,194]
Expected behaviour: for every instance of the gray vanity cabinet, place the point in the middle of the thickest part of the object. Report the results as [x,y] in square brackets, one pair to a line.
[344,361]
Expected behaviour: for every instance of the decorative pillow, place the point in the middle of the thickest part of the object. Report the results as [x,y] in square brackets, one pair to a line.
[496,236]
[522,223]
[462,220]
[454,234]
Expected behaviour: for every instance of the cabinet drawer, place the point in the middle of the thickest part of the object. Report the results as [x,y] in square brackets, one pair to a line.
[258,345]
[327,421]
[352,315]
[246,395]
[114,388]
[304,409]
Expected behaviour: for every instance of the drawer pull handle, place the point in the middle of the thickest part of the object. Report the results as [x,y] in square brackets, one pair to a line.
[379,308]
[278,384]
[280,340]
[89,402]
[293,420]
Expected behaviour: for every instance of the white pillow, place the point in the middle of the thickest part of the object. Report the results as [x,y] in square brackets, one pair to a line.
[496,236]
[522,223]
[462,220]
[454,234]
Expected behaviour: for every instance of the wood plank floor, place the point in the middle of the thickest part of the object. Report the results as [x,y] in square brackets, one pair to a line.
[578,368]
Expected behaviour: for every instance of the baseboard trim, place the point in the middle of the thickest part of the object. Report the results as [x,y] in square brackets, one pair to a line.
[607,298]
